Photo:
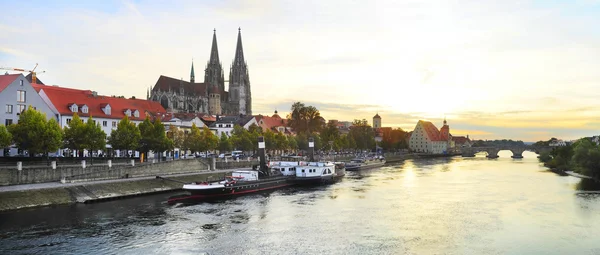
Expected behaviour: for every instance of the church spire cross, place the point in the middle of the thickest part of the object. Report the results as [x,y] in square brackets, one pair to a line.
[214,51]
[239,50]
[192,76]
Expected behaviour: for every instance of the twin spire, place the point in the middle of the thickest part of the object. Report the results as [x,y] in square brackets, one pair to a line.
[214,53]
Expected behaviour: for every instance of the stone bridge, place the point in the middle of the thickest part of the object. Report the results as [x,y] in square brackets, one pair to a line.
[492,151]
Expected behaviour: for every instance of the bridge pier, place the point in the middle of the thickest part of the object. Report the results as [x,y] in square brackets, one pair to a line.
[517,152]
[467,152]
[492,152]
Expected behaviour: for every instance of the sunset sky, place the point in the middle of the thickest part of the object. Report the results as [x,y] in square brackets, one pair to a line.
[527,70]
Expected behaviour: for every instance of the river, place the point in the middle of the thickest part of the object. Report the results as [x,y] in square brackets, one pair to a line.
[422,206]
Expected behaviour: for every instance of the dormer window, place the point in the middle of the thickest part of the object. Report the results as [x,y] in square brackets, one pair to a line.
[84,109]
[74,108]
[136,114]
[128,112]
[106,109]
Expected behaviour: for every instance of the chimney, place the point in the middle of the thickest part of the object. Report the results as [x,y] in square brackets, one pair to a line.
[94,93]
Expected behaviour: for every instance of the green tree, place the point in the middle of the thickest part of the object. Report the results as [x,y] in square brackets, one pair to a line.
[76,136]
[305,119]
[224,143]
[95,138]
[281,141]
[5,137]
[35,134]
[586,158]
[161,142]
[177,136]
[193,140]
[209,139]
[363,134]
[126,137]
[148,139]
[270,142]
[292,143]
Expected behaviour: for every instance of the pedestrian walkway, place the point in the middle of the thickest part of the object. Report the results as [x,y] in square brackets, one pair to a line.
[48,185]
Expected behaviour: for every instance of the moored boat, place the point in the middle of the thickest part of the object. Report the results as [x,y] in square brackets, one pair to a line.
[365,163]
[319,173]
[239,183]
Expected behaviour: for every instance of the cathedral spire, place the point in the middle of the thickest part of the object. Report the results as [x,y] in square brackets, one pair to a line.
[214,51]
[239,50]
[192,76]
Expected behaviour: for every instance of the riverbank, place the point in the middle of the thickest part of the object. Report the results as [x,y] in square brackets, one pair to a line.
[45,194]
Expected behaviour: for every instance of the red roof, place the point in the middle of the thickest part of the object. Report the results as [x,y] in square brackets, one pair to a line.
[460,139]
[6,80]
[270,122]
[61,98]
[432,132]
[444,133]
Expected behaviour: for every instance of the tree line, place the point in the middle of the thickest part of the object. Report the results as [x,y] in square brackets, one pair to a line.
[582,156]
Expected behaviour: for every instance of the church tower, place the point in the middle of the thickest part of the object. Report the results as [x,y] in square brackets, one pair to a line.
[213,74]
[240,98]
[192,76]
[376,121]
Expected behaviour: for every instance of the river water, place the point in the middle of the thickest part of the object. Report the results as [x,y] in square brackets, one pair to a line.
[425,206]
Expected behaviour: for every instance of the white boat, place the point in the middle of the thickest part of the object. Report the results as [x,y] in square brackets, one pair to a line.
[319,172]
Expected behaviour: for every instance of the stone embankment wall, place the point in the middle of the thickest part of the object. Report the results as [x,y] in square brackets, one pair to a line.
[74,173]
[91,192]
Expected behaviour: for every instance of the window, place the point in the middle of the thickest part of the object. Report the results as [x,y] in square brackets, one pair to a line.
[7,122]
[114,124]
[21,96]
[21,108]
[84,109]
[9,108]
[68,121]
[104,123]
[136,114]
[74,108]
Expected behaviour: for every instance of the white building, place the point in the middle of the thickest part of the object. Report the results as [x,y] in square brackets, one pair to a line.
[426,138]
[105,110]
[225,124]
[557,143]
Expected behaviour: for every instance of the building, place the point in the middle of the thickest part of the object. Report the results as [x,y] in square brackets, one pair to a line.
[105,110]
[274,123]
[225,124]
[558,143]
[426,138]
[209,97]
[461,141]
[16,94]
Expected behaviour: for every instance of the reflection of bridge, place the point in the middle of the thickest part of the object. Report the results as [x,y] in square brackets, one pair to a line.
[492,151]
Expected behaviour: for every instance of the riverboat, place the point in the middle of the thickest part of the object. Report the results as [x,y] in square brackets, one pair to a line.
[239,183]
[365,163]
[319,173]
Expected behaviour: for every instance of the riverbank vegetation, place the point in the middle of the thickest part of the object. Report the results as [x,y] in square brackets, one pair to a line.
[582,156]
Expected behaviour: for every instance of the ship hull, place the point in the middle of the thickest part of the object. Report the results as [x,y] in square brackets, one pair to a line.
[235,190]
[365,167]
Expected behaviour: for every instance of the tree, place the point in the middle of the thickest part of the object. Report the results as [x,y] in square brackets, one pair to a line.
[393,139]
[363,134]
[270,142]
[305,119]
[95,138]
[224,143]
[126,137]
[52,138]
[76,135]
[177,136]
[292,143]
[5,137]
[281,141]
[193,141]
[148,139]
[209,139]
[160,142]
[586,158]
[330,134]
[35,134]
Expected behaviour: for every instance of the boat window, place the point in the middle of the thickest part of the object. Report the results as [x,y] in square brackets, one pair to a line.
[283,169]
[303,170]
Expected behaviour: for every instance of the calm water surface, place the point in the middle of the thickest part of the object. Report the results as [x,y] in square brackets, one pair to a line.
[434,206]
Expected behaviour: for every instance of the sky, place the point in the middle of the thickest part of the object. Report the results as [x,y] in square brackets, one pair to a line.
[522,70]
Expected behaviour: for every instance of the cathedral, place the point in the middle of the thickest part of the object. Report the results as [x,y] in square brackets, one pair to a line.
[208,97]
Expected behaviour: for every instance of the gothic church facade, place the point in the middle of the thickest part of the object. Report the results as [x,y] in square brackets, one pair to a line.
[208,97]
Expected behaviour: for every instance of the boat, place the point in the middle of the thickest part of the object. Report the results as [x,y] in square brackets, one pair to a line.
[240,182]
[365,163]
[319,173]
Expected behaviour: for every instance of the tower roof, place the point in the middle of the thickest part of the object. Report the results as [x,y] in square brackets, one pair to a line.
[214,51]
[239,50]
[192,72]
[376,116]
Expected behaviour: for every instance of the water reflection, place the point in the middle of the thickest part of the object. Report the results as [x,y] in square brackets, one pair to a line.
[421,206]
